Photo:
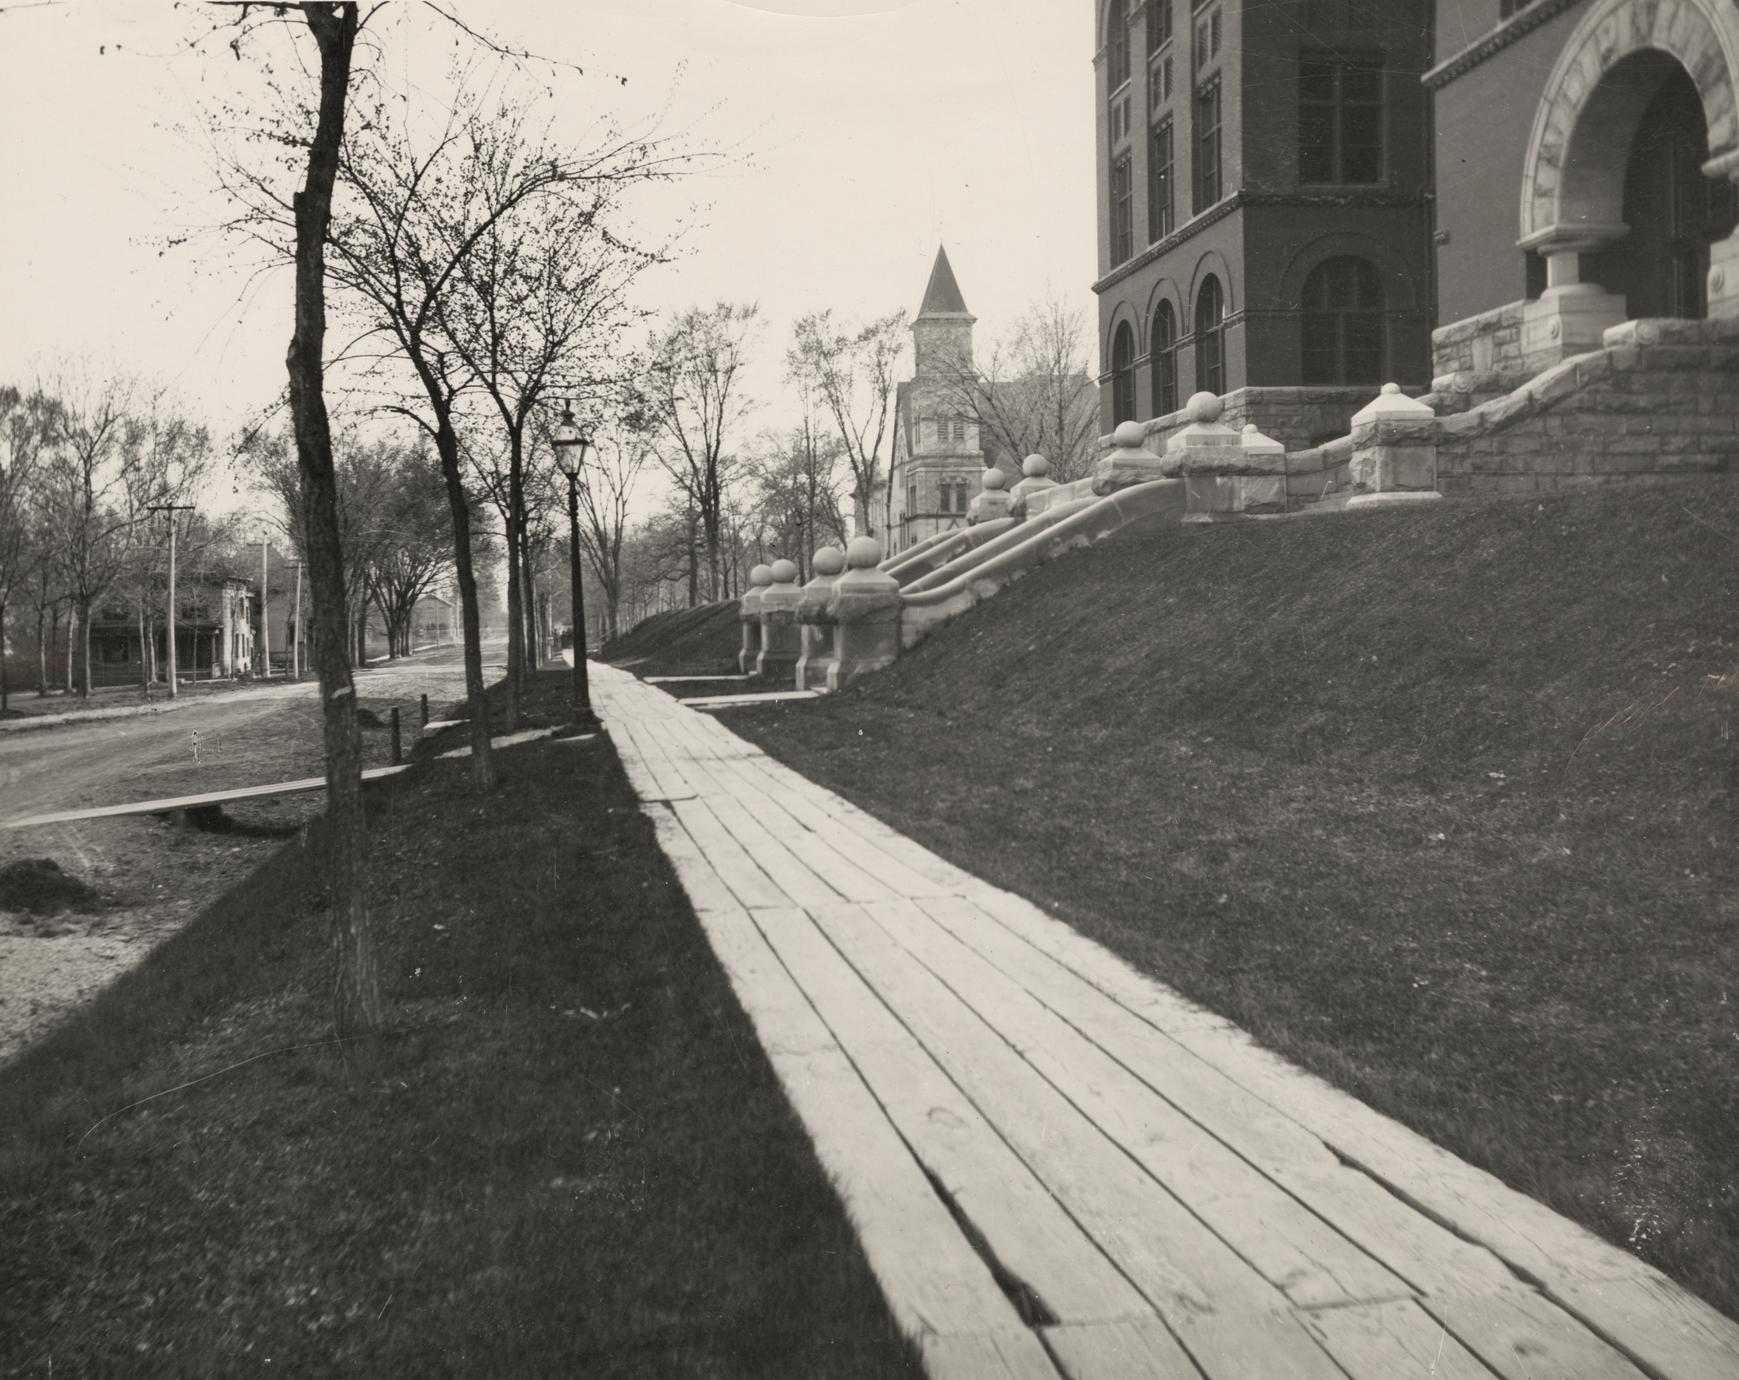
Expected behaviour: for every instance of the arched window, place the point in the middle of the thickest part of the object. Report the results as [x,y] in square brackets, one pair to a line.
[1211,337]
[1342,321]
[1122,374]
[1116,44]
[1163,357]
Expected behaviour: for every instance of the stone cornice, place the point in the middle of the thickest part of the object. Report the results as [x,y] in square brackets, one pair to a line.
[1190,228]
[1517,26]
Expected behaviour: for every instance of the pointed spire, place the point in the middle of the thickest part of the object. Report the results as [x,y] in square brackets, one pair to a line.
[942,297]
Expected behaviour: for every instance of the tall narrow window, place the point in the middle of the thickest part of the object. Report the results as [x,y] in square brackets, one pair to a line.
[1116,45]
[1159,195]
[1158,24]
[1340,118]
[1342,322]
[1211,337]
[1163,360]
[1122,210]
[1122,374]
[1207,179]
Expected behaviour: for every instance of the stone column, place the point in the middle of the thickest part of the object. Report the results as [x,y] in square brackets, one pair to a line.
[1036,472]
[780,647]
[749,615]
[992,501]
[1394,450]
[1214,461]
[1130,461]
[866,614]
[1571,315]
[1723,285]
[814,622]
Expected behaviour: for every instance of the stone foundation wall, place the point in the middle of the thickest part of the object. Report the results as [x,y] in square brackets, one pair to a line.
[1485,344]
[1660,400]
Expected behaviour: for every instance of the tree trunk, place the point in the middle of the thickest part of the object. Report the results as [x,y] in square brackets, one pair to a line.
[355,976]
[69,670]
[515,621]
[84,637]
[458,506]
[528,582]
[42,651]
[5,688]
[144,650]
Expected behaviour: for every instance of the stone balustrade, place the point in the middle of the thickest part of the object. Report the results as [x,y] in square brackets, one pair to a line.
[1394,457]
[865,609]
[780,643]
[993,501]
[815,620]
[749,616]
[1035,479]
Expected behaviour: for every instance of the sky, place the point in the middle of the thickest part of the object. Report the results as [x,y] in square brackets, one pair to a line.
[858,135]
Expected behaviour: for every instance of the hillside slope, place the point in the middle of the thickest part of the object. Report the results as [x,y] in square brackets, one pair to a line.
[1439,804]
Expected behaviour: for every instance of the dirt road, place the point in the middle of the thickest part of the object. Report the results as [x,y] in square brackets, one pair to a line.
[151,876]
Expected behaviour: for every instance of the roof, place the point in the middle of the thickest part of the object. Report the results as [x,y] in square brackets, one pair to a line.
[942,296]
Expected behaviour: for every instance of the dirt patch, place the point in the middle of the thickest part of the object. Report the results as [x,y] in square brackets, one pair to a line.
[37,886]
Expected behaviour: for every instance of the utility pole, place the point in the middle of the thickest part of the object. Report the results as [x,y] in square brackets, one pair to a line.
[172,509]
[296,627]
[265,612]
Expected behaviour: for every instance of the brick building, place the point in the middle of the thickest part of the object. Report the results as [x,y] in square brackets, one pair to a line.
[1304,198]
[1611,124]
[1263,204]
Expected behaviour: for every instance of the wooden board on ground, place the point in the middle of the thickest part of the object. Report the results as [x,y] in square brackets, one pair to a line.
[195,802]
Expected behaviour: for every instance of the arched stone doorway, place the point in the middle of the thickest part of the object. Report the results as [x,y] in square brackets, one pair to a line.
[1624,191]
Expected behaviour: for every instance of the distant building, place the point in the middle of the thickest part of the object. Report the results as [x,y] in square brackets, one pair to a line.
[939,457]
[214,634]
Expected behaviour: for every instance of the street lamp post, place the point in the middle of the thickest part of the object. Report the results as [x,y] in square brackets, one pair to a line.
[571,442]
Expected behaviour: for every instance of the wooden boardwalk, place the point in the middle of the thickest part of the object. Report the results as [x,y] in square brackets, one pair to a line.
[174,804]
[1059,1167]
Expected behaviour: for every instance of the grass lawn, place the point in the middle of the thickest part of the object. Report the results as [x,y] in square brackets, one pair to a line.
[577,1160]
[1439,804]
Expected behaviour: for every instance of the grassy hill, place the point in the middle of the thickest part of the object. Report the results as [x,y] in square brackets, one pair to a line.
[698,641]
[1439,804]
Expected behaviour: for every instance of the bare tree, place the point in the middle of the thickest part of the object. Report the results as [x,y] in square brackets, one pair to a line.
[1035,394]
[853,374]
[606,488]
[693,396]
[25,428]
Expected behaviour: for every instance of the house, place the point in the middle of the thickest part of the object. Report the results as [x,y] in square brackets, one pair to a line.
[214,636]
[1264,185]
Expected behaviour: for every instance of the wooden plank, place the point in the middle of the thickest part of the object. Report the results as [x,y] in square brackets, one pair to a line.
[1256,1348]
[688,680]
[943,874]
[1176,1262]
[671,783]
[1524,1336]
[764,697]
[876,861]
[987,1356]
[1671,1331]
[789,873]
[1382,1341]
[840,873]
[1120,1351]
[1022,1226]
[1529,1236]
[705,888]
[934,1282]
[1293,1248]
[741,873]
[1415,1247]
[192,802]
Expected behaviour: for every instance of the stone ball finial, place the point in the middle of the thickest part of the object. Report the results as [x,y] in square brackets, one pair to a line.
[1250,429]
[993,479]
[1204,407]
[864,553]
[761,576]
[1035,466]
[829,561]
[784,572]
[1129,435]
[1391,389]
